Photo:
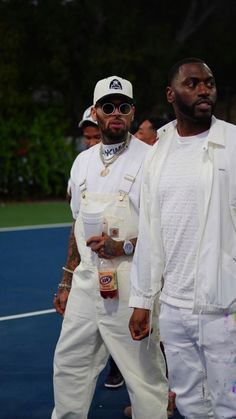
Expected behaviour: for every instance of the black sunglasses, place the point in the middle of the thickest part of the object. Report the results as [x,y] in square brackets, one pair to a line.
[109,108]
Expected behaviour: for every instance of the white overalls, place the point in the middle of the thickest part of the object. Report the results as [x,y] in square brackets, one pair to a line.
[94,327]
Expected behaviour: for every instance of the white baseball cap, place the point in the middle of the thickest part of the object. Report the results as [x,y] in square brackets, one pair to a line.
[111,86]
[87,117]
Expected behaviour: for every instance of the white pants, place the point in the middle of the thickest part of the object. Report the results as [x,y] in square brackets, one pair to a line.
[93,328]
[201,359]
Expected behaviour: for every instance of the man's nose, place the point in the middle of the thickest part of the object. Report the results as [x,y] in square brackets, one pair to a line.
[203,89]
[116,110]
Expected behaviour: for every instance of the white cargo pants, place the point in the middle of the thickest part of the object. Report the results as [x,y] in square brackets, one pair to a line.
[201,359]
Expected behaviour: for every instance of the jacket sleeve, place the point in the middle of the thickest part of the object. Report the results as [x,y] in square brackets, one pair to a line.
[143,289]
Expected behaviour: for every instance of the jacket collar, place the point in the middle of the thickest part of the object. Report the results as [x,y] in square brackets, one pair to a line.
[216,133]
[215,136]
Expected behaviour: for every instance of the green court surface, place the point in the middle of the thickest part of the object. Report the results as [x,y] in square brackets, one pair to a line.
[34,213]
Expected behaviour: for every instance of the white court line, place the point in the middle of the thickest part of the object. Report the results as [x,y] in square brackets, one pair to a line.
[32,313]
[35,227]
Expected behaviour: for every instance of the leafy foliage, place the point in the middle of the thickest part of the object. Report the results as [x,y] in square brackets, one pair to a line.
[53,52]
[35,157]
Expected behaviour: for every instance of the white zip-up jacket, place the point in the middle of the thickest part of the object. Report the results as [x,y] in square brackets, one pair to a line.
[215,270]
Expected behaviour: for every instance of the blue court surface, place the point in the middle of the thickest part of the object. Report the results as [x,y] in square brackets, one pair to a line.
[30,269]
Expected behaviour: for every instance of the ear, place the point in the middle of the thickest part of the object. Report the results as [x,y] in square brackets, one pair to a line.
[133,110]
[94,113]
[170,95]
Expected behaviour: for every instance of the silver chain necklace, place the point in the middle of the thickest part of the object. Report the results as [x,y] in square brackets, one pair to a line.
[106,170]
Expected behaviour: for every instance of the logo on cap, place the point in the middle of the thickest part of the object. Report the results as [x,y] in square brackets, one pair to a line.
[115,84]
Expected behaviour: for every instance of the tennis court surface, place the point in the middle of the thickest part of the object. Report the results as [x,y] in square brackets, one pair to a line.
[31,259]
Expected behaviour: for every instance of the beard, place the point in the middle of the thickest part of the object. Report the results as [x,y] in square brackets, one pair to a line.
[191,112]
[111,135]
[116,136]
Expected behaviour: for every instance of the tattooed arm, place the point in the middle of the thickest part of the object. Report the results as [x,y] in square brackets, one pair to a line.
[72,261]
[106,247]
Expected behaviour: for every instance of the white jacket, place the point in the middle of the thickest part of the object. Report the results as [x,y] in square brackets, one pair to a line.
[215,278]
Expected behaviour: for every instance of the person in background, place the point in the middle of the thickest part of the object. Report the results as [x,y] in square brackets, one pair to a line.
[188,200]
[147,129]
[107,176]
[89,129]
[91,135]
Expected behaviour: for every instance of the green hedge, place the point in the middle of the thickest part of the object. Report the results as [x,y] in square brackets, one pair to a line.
[35,157]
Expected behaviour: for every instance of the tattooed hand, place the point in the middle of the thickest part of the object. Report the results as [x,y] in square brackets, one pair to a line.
[110,247]
[105,246]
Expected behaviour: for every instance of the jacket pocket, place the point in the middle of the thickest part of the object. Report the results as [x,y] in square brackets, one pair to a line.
[228,279]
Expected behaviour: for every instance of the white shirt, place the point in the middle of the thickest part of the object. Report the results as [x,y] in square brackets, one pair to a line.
[178,188]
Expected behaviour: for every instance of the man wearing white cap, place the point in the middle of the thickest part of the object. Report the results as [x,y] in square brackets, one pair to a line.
[106,177]
[90,129]
[91,134]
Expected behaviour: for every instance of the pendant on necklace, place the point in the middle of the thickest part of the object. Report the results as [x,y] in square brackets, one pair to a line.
[104,172]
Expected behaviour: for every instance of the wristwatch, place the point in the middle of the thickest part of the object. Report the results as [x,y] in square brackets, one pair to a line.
[128,247]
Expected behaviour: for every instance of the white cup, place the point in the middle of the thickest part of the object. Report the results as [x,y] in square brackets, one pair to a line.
[93,224]
[92,214]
